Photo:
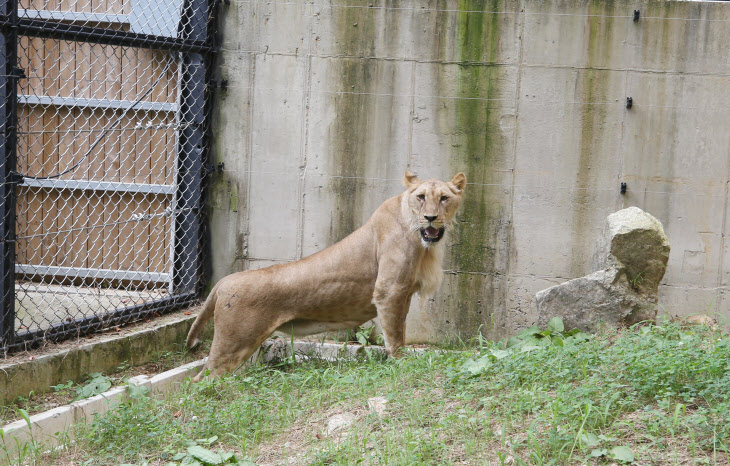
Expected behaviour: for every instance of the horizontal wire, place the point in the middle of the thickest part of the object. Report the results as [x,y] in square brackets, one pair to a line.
[452,10]
[126,128]
[438,61]
[71,103]
[499,185]
[42,288]
[117,179]
[135,218]
[506,187]
[620,102]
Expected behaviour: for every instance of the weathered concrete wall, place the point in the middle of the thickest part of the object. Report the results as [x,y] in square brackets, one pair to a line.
[330,101]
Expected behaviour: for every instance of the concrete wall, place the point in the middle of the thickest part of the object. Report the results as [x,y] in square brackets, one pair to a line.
[330,101]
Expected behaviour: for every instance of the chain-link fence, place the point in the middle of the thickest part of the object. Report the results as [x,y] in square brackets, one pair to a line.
[104,107]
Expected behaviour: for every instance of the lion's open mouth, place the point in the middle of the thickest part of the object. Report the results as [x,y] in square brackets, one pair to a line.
[432,234]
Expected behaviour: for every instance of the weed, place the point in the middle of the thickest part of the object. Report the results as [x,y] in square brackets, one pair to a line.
[96,385]
[20,452]
[195,453]
[367,336]
[637,280]
[63,386]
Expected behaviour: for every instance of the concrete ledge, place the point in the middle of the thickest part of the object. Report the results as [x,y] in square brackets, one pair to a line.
[104,354]
[280,348]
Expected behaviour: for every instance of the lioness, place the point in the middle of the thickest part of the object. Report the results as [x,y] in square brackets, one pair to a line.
[372,272]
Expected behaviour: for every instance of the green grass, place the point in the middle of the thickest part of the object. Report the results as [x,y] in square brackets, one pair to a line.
[659,394]
[69,391]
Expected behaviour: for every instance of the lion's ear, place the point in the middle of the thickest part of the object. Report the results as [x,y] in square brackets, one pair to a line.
[409,179]
[459,181]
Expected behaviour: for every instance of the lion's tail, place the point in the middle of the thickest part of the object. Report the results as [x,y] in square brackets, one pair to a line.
[205,314]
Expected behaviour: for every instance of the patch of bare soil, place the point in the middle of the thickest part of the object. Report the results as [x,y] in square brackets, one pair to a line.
[293,445]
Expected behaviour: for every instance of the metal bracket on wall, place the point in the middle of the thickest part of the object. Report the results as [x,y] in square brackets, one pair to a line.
[623,188]
[629,102]
[214,168]
[636,16]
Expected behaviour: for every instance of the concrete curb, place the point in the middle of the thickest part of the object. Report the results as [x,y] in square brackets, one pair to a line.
[45,427]
[105,354]
[51,428]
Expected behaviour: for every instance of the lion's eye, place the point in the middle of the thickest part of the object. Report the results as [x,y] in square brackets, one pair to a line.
[421,197]
[444,198]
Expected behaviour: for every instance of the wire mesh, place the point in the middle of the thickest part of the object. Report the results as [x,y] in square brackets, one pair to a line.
[103,206]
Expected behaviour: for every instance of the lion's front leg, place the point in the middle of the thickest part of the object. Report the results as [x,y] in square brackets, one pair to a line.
[392,306]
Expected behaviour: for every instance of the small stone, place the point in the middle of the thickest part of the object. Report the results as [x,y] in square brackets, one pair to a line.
[700,319]
[378,405]
[339,421]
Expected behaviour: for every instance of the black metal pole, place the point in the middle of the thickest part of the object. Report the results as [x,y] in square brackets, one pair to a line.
[190,150]
[8,123]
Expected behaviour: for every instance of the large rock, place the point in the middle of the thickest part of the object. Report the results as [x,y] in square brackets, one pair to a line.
[637,243]
[601,297]
[634,255]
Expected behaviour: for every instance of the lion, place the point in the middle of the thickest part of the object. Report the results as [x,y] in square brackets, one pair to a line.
[373,272]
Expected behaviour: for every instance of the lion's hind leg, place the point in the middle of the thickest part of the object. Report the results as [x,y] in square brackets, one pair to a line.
[235,342]
[225,358]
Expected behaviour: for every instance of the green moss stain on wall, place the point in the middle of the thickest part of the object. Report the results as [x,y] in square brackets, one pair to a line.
[592,88]
[349,133]
[362,133]
[348,139]
[226,193]
[475,150]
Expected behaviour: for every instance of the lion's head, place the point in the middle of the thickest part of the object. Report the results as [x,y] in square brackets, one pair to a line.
[432,204]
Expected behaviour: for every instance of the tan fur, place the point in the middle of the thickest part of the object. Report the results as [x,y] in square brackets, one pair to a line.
[372,272]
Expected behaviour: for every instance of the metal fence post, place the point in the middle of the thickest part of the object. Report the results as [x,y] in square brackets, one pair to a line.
[8,100]
[190,150]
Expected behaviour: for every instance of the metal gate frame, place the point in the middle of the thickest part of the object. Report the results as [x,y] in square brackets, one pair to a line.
[195,42]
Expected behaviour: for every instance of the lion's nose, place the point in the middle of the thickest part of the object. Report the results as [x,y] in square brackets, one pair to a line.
[430,218]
